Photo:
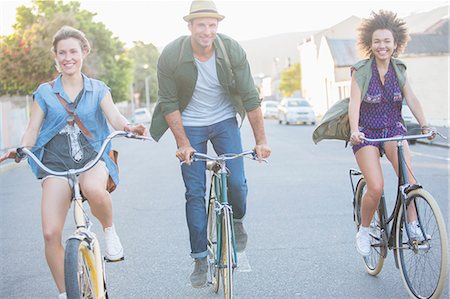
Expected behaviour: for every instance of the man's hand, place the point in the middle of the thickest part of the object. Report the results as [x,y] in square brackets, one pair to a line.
[263,151]
[184,153]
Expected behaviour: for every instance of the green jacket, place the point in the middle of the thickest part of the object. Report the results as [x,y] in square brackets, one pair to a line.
[335,123]
[177,77]
[364,73]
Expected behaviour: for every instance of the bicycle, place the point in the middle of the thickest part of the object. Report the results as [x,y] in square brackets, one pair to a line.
[422,260]
[84,267]
[222,255]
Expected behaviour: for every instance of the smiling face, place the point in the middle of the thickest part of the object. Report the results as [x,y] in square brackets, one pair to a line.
[203,32]
[383,44]
[69,56]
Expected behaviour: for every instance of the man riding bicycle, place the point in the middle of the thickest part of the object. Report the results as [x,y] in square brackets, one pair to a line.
[204,80]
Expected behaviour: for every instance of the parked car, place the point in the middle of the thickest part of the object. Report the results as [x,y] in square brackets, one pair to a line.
[295,111]
[412,126]
[141,115]
[269,109]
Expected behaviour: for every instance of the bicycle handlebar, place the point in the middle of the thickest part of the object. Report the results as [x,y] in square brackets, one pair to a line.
[224,157]
[21,151]
[406,137]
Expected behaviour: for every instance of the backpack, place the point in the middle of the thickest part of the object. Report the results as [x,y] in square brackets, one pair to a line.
[334,124]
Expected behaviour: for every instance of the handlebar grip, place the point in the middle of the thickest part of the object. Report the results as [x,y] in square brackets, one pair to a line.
[20,154]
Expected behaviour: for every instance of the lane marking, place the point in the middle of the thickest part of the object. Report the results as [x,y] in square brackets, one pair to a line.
[243,264]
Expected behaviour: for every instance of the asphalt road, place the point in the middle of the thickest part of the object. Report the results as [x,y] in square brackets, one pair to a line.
[299,220]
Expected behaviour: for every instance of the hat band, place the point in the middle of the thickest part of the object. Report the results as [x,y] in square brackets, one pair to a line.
[204,10]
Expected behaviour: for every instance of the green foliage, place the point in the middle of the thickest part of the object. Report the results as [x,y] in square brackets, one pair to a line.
[26,59]
[145,58]
[290,80]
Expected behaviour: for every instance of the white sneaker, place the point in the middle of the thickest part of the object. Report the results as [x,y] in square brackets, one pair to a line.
[113,247]
[363,241]
[416,232]
[62,296]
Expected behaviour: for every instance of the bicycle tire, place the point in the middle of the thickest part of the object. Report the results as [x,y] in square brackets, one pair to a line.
[214,273]
[227,255]
[418,262]
[375,261]
[82,279]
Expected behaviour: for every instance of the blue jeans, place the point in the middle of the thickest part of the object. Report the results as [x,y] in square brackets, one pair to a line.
[225,138]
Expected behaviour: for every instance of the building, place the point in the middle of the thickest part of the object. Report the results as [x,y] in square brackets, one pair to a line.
[326,62]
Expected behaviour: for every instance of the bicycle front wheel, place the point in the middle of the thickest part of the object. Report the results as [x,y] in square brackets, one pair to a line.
[423,262]
[227,255]
[82,278]
[373,263]
[213,270]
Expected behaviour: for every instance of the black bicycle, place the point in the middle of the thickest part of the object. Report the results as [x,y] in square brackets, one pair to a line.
[421,255]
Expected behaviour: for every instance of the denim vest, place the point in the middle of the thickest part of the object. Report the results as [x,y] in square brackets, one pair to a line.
[88,110]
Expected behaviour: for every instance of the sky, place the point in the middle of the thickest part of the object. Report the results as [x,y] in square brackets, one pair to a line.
[160,22]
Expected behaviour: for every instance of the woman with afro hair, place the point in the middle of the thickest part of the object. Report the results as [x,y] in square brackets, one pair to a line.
[378,87]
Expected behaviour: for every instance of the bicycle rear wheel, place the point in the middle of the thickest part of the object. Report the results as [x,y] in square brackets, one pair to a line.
[227,255]
[213,271]
[423,263]
[374,262]
[82,278]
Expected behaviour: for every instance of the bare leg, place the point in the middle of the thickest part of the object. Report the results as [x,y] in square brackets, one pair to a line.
[368,159]
[56,195]
[93,186]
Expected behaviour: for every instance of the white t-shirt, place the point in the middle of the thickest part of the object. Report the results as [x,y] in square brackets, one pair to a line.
[210,103]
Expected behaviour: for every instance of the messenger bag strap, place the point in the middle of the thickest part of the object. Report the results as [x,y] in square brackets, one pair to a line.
[227,59]
[71,113]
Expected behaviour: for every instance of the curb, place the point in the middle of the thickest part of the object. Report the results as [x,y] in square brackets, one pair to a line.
[434,143]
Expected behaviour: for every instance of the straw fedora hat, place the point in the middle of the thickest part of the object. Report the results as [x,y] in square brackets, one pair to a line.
[203,9]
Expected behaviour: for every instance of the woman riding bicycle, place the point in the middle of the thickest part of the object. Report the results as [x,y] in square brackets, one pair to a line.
[63,142]
[378,87]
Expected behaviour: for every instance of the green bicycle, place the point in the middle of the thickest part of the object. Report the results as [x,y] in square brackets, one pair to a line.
[222,256]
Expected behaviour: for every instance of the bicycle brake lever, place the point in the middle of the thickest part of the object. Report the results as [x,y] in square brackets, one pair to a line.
[440,134]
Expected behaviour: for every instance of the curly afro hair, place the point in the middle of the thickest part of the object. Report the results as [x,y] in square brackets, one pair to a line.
[382,20]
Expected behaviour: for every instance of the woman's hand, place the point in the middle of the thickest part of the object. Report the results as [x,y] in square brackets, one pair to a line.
[426,129]
[10,154]
[138,129]
[355,137]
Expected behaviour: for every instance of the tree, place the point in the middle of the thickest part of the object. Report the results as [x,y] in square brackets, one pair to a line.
[145,58]
[290,80]
[26,60]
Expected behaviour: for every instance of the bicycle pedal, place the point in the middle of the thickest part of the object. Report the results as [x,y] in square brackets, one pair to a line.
[113,261]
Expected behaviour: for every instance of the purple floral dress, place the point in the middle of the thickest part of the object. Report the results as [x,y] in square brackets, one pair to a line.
[380,114]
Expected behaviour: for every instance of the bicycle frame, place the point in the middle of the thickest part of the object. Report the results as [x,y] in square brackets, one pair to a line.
[219,183]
